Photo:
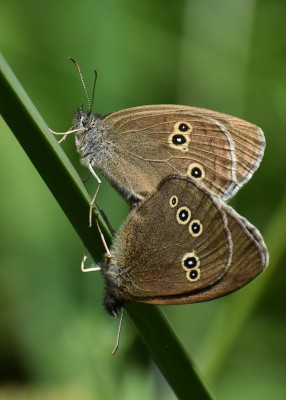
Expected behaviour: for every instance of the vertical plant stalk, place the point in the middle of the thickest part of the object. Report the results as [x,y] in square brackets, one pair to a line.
[64,183]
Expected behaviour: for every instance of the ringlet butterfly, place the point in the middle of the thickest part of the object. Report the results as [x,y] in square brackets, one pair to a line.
[137,147]
[181,245]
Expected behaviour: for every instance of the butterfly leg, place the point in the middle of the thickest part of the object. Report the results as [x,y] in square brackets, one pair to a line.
[103,240]
[90,269]
[64,134]
[91,204]
[84,258]
[107,222]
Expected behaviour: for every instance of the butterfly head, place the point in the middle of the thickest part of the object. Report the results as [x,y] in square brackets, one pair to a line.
[84,120]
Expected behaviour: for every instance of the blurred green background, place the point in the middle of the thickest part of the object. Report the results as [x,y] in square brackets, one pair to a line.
[229,56]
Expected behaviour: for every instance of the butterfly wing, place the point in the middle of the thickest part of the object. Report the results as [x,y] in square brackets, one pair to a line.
[183,245]
[173,245]
[249,258]
[140,146]
[249,144]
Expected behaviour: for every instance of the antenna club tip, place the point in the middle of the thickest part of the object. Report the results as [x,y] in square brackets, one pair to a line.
[114,351]
[72,59]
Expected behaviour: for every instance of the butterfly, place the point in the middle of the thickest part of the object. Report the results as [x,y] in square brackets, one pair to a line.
[137,147]
[181,245]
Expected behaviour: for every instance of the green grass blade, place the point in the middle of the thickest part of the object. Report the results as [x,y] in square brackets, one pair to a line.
[48,158]
[61,178]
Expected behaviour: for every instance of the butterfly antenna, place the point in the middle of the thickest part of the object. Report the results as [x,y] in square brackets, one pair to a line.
[118,334]
[93,91]
[82,81]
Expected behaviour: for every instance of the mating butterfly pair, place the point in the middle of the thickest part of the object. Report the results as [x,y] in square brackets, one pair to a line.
[177,165]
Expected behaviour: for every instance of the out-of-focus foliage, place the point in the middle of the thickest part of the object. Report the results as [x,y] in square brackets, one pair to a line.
[229,56]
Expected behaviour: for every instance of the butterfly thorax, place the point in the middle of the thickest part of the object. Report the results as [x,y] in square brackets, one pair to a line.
[89,138]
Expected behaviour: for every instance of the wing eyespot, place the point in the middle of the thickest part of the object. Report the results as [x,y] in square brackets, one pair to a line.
[191,264]
[195,228]
[180,137]
[183,215]
[173,201]
[193,275]
[196,171]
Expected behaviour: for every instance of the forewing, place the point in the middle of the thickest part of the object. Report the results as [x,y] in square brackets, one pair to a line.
[143,147]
